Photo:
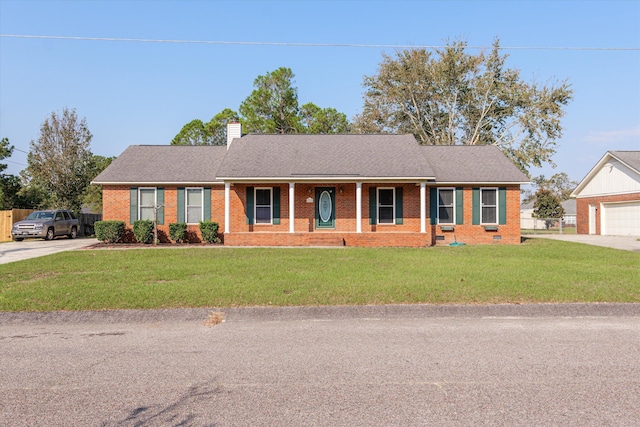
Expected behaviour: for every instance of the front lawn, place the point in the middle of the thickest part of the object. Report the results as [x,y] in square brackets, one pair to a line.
[537,271]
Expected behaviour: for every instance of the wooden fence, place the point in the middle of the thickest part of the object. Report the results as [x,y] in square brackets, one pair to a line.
[8,218]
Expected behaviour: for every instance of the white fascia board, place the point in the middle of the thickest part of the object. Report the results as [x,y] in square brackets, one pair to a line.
[481,183]
[590,196]
[325,179]
[158,183]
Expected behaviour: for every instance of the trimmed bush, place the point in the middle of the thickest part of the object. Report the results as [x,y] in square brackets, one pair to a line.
[178,231]
[109,231]
[143,230]
[209,231]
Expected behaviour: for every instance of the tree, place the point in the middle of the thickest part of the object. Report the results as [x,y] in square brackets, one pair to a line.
[323,120]
[193,133]
[213,132]
[93,194]
[272,107]
[453,97]
[60,160]
[559,184]
[547,206]
[5,152]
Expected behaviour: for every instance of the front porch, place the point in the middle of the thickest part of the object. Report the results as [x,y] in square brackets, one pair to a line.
[337,238]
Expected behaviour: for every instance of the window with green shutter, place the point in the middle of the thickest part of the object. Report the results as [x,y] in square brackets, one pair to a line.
[399,207]
[249,207]
[373,205]
[133,204]
[459,205]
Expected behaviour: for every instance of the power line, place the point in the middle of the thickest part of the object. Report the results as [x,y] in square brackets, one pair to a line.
[292,44]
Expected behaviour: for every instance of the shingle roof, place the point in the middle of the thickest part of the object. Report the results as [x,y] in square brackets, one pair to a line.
[324,156]
[471,164]
[311,157]
[631,158]
[155,164]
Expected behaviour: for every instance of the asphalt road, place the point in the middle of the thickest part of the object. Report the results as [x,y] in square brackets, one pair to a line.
[574,365]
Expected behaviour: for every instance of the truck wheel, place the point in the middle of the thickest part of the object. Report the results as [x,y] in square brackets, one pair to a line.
[50,234]
[74,233]
[18,239]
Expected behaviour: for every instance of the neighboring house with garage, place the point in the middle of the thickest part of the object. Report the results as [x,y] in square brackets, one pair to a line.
[300,190]
[608,198]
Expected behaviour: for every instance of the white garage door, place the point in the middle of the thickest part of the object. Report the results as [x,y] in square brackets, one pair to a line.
[621,219]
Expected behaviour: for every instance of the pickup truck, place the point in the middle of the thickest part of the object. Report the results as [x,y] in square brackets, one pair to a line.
[46,224]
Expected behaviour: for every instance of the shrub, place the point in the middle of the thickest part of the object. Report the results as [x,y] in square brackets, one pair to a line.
[209,231]
[178,231]
[143,230]
[109,231]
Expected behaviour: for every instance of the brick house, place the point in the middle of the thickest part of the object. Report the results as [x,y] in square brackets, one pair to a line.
[299,190]
[608,197]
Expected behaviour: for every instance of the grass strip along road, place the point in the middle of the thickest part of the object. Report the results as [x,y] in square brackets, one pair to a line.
[533,272]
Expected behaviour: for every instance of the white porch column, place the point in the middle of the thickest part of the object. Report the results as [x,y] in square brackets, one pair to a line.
[358,207]
[227,209]
[292,207]
[423,207]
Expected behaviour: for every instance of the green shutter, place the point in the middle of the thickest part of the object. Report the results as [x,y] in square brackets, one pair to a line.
[459,205]
[433,205]
[399,213]
[502,205]
[206,209]
[181,217]
[373,206]
[249,209]
[475,205]
[133,204]
[160,203]
[276,205]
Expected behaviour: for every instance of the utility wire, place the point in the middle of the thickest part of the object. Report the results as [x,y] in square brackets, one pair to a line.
[291,44]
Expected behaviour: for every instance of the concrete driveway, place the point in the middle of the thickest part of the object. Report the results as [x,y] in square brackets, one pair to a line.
[32,248]
[627,243]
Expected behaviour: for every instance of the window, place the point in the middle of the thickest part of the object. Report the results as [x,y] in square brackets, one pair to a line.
[489,205]
[386,206]
[59,216]
[263,205]
[147,203]
[194,204]
[446,213]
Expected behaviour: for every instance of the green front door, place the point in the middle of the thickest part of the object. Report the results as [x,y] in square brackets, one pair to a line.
[325,207]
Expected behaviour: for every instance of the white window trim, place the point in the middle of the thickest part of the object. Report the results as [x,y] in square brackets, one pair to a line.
[155,199]
[186,203]
[453,201]
[497,205]
[393,219]
[255,205]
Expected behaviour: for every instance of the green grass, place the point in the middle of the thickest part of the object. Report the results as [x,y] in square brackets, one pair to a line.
[537,271]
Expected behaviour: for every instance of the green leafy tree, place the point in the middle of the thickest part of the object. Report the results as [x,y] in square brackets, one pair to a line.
[93,195]
[5,152]
[217,126]
[272,107]
[214,132]
[193,133]
[60,160]
[453,97]
[323,120]
[547,206]
[559,184]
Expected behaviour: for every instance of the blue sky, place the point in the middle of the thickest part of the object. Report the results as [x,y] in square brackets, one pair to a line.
[143,93]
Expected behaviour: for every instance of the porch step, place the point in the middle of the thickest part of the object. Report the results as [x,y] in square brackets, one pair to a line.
[319,239]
